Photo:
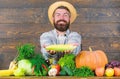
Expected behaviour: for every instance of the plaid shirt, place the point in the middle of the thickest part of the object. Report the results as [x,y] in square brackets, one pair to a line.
[52,37]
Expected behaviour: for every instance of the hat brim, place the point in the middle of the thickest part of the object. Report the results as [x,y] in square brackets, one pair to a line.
[62,3]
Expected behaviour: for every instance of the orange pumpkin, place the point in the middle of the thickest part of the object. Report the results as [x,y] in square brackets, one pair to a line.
[92,59]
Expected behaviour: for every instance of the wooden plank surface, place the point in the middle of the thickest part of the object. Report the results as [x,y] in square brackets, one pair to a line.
[58,77]
[39,15]
[46,3]
[85,29]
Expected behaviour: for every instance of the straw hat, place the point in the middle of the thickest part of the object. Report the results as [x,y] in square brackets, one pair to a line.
[62,3]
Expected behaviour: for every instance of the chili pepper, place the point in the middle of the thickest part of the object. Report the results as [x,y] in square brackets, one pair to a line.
[44,67]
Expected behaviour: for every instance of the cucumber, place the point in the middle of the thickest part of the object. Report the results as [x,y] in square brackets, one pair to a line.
[68,71]
[62,73]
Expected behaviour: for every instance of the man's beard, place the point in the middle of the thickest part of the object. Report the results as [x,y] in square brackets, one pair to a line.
[61,27]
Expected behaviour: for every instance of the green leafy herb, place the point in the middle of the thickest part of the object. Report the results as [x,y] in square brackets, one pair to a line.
[25,51]
[68,61]
[40,65]
[37,62]
[84,71]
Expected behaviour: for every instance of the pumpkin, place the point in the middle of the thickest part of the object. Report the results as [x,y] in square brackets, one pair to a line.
[92,59]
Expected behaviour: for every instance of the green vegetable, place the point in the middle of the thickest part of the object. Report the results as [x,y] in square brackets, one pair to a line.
[68,60]
[84,71]
[68,70]
[19,72]
[25,51]
[62,73]
[40,65]
[44,72]
[26,65]
[33,64]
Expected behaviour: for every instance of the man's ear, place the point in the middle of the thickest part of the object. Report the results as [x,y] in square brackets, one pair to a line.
[70,20]
[53,18]
[53,21]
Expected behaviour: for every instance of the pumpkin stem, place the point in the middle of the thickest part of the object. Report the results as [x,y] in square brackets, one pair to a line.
[90,49]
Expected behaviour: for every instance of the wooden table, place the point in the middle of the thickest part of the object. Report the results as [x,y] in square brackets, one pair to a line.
[57,77]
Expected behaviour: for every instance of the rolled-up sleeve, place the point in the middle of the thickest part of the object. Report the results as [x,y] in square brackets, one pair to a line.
[45,39]
[74,37]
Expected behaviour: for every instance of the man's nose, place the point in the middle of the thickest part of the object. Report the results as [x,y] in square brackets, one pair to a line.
[61,17]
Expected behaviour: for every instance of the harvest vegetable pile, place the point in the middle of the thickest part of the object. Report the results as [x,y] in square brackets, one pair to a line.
[85,64]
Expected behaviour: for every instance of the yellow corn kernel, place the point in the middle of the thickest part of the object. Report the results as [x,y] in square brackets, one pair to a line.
[6,72]
[60,47]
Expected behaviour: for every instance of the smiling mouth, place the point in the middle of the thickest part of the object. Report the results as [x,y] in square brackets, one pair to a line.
[61,22]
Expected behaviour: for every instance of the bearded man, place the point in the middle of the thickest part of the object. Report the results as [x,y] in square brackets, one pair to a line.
[61,14]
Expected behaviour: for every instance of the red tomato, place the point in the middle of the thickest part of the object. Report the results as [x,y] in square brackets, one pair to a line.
[56,66]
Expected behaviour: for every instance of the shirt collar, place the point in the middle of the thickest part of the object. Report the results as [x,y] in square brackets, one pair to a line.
[66,33]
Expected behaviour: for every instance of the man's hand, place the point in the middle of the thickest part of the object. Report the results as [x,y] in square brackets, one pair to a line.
[75,44]
[51,52]
[54,52]
[67,51]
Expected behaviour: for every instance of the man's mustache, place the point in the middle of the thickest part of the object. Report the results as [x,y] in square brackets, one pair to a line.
[61,20]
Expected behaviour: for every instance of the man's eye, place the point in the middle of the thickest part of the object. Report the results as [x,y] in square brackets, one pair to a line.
[66,15]
[57,14]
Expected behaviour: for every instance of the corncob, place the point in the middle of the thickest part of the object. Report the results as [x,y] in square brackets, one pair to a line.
[6,72]
[13,65]
[60,47]
[10,71]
